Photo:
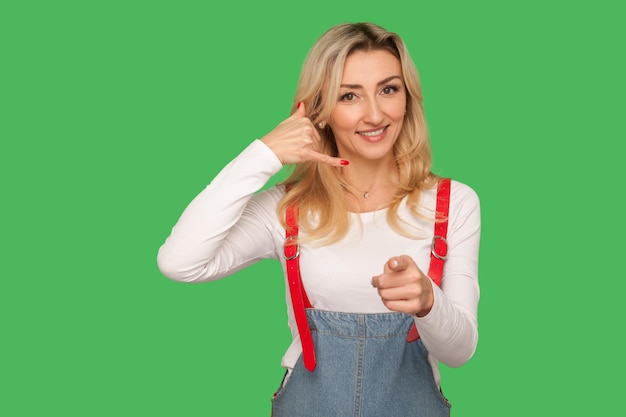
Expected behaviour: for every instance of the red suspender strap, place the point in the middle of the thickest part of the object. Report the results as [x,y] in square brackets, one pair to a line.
[439,247]
[299,300]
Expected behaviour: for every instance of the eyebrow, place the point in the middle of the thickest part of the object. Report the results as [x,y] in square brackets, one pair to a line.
[385,81]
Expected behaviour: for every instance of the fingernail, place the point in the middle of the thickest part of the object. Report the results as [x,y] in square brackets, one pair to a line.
[394,263]
[344,162]
[299,104]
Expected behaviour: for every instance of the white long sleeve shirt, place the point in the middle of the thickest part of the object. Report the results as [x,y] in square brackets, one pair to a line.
[230,225]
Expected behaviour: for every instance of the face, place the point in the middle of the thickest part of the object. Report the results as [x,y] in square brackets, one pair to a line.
[370,108]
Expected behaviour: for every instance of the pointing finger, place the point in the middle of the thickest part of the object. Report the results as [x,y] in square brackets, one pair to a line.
[375,281]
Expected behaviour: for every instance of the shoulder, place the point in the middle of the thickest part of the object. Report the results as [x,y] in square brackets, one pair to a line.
[460,192]
[464,203]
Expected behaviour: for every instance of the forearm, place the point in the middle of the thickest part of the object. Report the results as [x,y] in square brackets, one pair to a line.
[449,331]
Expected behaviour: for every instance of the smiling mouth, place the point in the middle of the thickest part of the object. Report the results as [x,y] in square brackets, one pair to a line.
[373,133]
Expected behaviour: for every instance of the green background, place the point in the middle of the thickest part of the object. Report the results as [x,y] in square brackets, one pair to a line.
[115,114]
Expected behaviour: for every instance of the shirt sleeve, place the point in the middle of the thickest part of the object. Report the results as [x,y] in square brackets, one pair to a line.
[450,330]
[227,226]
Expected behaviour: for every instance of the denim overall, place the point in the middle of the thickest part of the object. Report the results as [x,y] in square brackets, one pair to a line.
[365,368]
[363,365]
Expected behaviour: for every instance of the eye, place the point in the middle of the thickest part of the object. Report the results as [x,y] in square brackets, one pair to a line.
[347,97]
[389,89]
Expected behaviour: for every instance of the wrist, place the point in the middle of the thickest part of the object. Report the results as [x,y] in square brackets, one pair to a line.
[427,308]
[423,313]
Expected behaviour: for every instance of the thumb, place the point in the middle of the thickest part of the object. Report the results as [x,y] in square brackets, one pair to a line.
[328,160]
[396,264]
[300,110]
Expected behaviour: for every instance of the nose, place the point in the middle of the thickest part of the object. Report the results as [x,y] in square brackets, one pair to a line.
[373,112]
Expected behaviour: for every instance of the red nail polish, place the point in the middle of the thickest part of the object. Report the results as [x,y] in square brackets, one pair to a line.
[344,162]
[299,104]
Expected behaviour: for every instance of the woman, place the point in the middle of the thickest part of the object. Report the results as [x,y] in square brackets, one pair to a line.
[359,231]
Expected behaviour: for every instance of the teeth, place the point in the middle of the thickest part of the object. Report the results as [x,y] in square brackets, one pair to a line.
[374,133]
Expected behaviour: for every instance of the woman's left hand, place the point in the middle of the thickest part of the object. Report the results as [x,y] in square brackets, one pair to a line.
[404,288]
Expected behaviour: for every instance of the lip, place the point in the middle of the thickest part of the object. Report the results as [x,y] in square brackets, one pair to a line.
[374,135]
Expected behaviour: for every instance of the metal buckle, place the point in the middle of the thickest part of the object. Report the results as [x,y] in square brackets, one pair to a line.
[289,258]
[432,248]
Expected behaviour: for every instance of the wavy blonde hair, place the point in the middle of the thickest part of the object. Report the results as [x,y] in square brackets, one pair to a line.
[319,189]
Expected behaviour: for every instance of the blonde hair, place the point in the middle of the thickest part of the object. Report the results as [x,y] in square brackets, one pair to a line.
[318,189]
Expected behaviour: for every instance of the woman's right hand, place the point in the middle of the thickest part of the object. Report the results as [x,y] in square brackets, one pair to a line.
[296,140]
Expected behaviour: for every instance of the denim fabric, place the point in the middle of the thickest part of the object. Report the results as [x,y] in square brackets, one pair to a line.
[365,368]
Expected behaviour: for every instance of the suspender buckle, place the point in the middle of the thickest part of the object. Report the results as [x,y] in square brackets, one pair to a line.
[439,248]
[292,250]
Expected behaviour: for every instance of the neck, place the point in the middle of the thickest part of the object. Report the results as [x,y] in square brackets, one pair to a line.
[367,177]
[370,186]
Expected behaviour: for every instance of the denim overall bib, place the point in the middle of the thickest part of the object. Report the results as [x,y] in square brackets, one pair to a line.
[360,365]
[365,368]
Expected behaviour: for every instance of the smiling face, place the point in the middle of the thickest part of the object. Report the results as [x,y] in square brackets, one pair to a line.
[370,108]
